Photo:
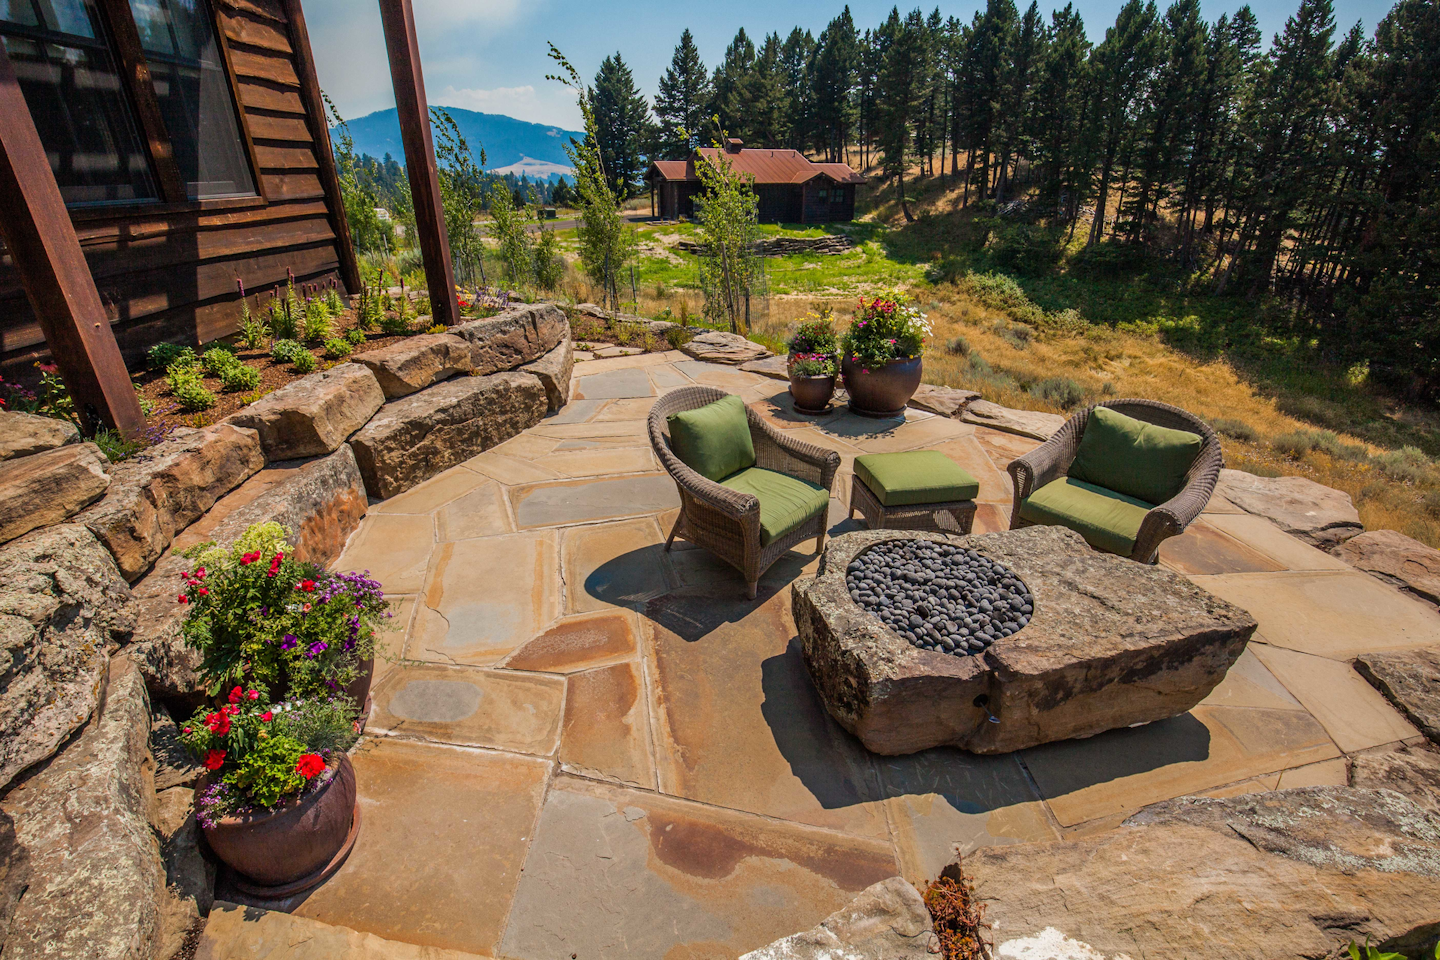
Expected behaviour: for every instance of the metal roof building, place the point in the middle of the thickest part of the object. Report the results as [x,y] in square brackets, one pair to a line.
[791,188]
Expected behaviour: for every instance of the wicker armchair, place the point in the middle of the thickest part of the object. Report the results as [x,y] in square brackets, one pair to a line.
[1051,460]
[727,522]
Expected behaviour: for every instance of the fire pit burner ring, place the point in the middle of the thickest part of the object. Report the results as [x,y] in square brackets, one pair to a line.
[939,596]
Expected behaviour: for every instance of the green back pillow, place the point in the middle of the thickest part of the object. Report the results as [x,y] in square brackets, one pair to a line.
[713,440]
[1132,457]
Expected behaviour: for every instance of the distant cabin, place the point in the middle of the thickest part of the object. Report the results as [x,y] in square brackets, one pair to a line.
[790,187]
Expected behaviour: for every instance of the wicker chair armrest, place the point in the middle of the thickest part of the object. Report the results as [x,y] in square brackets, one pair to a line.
[775,450]
[1047,462]
[732,503]
[1170,518]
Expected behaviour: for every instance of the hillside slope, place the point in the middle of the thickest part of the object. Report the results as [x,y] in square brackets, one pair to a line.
[508,142]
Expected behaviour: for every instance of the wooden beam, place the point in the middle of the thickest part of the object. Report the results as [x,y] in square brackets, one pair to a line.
[399,20]
[135,74]
[37,231]
[315,116]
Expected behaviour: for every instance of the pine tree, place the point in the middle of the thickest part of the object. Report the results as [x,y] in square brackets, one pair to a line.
[731,84]
[1057,120]
[834,95]
[797,97]
[900,45]
[622,123]
[764,98]
[1122,66]
[683,102]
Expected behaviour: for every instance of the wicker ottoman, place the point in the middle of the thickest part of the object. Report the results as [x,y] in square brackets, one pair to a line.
[916,490]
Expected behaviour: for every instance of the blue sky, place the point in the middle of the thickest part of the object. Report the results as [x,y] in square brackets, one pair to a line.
[490,55]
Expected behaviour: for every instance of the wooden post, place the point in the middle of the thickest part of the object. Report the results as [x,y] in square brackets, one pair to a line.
[315,116]
[37,231]
[399,20]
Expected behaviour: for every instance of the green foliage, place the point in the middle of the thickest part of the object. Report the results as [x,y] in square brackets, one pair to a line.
[239,377]
[958,346]
[607,244]
[727,213]
[549,265]
[321,725]
[815,334]
[1235,429]
[677,337]
[461,195]
[183,379]
[1370,952]
[367,230]
[368,311]
[162,355]
[682,100]
[317,321]
[508,225]
[54,397]
[1016,334]
[623,131]
[1061,391]
[217,359]
[812,365]
[286,321]
[335,348]
[269,773]
[304,361]
[355,336]
[886,327]
[284,351]
[333,302]
[394,324]
[115,447]
[254,331]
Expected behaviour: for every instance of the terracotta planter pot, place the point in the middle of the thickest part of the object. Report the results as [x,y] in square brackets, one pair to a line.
[358,690]
[296,845]
[812,394]
[881,391]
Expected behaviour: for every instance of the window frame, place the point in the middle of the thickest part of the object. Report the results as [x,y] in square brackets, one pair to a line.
[134,69]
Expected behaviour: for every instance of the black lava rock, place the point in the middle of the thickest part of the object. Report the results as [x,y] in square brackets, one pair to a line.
[939,597]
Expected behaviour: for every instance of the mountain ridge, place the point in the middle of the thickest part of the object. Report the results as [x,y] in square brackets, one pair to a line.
[508,142]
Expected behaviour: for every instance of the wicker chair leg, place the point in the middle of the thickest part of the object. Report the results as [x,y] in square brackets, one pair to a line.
[675,529]
[750,589]
[820,542]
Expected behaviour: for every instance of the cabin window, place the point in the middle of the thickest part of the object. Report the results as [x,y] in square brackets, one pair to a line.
[824,195]
[63,61]
[178,37]
[67,62]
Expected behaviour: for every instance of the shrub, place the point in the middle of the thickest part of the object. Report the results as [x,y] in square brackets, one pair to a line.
[394,324]
[423,308]
[1000,292]
[437,328]
[319,725]
[191,393]
[114,445]
[814,335]
[333,303]
[239,377]
[1016,334]
[216,360]
[335,348]
[1408,464]
[626,332]
[304,362]
[253,331]
[284,351]
[677,337]
[162,355]
[317,321]
[1294,444]
[1061,391]
[958,346]
[355,336]
[1235,429]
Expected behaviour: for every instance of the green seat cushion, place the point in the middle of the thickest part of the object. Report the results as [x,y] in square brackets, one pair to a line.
[713,440]
[1107,520]
[785,501]
[915,477]
[1134,458]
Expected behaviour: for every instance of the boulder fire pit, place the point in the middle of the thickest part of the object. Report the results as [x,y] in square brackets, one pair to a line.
[1073,642]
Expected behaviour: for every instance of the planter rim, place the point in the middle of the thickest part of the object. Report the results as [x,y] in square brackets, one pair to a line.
[332,767]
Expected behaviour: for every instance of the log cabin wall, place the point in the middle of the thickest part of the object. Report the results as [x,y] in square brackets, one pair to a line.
[168,271]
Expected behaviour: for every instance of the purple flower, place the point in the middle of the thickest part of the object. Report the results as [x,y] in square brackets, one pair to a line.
[290,642]
[317,648]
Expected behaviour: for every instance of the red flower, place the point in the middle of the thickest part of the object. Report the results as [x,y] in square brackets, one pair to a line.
[310,765]
[267,716]
[215,759]
[187,729]
[47,367]
[236,694]
[232,709]
[184,599]
[249,558]
[253,695]
[204,591]
[218,723]
[307,585]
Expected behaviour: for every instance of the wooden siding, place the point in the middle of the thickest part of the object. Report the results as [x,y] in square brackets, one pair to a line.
[170,272]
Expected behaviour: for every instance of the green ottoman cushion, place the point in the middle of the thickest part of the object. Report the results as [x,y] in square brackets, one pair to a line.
[713,440]
[1134,458]
[785,501]
[915,477]
[1106,519]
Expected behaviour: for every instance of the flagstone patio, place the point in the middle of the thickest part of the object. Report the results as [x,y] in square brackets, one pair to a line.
[588,747]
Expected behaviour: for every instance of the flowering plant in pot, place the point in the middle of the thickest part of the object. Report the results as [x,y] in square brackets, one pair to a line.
[261,618]
[277,800]
[882,365]
[811,364]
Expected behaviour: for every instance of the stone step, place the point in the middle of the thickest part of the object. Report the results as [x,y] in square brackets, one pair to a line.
[234,932]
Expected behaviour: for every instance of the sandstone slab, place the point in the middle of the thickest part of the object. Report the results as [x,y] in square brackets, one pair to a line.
[236,931]
[888,921]
[1111,643]
[718,346]
[553,371]
[1026,423]
[96,875]
[1409,679]
[946,401]
[312,416]
[189,876]
[416,362]
[321,503]
[776,368]
[14,874]
[63,607]
[1287,873]
[49,487]
[173,764]
[470,707]
[415,438]
[1397,559]
[519,335]
[1321,516]
[163,489]
[23,434]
